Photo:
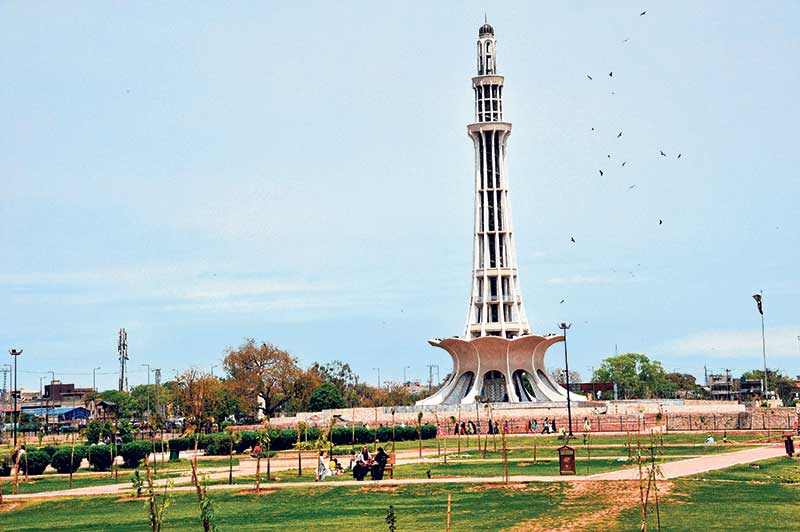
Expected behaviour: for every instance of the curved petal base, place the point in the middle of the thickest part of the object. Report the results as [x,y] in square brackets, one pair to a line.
[495,369]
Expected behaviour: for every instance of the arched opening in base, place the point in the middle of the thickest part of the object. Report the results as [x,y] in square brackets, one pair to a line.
[523,386]
[494,387]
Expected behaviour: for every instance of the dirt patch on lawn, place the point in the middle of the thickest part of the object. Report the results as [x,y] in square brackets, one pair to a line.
[263,491]
[581,502]
[499,486]
[10,506]
[370,489]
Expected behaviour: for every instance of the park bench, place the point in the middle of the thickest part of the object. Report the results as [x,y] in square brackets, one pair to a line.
[390,463]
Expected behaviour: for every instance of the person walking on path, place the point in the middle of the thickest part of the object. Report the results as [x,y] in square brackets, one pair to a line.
[322,467]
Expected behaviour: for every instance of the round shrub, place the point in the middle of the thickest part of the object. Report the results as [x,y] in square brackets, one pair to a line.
[219,444]
[63,460]
[100,457]
[180,444]
[34,462]
[49,449]
[134,452]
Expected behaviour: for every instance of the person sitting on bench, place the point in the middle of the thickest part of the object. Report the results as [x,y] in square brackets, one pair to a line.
[379,464]
[361,464]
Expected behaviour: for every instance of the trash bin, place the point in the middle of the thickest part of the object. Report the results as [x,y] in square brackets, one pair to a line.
[566,460]
[174,455]
[788,443]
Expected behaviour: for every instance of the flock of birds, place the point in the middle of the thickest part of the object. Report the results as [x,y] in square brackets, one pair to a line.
[619,136]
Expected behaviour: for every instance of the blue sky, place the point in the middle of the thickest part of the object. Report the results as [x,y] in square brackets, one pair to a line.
[199,173]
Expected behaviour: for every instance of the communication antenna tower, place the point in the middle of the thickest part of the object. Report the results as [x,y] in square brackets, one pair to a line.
[122,349]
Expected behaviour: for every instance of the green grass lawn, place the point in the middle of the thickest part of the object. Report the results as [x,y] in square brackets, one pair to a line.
[736,498]
[417,508]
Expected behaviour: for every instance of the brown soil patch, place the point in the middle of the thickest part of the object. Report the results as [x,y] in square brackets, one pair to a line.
[9,506]
[368,489]
[264,491]
[127,499]
[499,486]
[584,515]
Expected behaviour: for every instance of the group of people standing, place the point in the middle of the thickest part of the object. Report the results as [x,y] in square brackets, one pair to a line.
[548,426]
[468,428]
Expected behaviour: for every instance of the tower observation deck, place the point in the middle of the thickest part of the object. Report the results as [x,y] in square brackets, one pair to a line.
[498,359]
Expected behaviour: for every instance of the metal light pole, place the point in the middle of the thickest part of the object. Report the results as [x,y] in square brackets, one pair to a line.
[759,300]
[379,375]
[564,327]
[94,378]
[148,390]
[14,392]
[212,368]
[404,374]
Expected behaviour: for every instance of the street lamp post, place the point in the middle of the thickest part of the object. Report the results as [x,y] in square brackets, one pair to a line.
[94,378]
[14,392]
[564,327]
[404,374]
[379,376]
[759,297]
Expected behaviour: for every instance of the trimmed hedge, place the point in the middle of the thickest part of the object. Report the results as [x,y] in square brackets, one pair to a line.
[49,449]
[63,460]
[134,452]
[100,458]
[35,463]
[281,440]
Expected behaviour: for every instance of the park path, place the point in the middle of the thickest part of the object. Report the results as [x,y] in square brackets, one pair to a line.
[670,470]
[692,466]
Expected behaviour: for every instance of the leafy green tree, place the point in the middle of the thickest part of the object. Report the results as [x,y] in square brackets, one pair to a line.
[326,396]
[636,376]
[776,382]
[120,398]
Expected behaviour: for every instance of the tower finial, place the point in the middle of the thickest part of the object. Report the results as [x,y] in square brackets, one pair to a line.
[485,18]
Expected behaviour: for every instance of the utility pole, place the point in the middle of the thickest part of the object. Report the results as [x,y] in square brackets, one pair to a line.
[6,369]
[15,392]
[122,349]
[404,374]
[430,377]
[94,378]
[148,390]
[379,376]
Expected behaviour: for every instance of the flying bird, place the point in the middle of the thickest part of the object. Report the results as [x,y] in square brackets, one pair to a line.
[679,155]
[661,222]
[631,187]
[662,153]
[611,74]
[572,239]
[624,162]
[588,76]
[642,13]
[561,301]
[609,156]
[601,175]
[619,134]
[625,40]
[592,129]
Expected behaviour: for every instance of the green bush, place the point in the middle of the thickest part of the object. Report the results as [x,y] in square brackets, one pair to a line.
[49,449]
[134,452]
[326,396]
[219,444]
[180,444]
[5,465]
[34,462]
[100,457]
[63,460]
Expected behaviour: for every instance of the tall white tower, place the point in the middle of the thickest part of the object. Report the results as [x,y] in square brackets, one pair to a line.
[495,307]
[498,359]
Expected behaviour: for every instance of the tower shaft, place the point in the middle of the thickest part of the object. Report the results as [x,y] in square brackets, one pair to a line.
[495,307]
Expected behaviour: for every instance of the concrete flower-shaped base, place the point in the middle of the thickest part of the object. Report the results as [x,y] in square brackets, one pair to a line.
[498,370]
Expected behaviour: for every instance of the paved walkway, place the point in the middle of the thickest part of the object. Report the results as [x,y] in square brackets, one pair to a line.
[670,470]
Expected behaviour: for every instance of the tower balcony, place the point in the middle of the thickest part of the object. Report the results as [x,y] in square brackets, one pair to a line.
[505,298]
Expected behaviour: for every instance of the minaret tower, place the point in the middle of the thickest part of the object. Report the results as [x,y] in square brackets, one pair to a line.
[495,307]
[498,359]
